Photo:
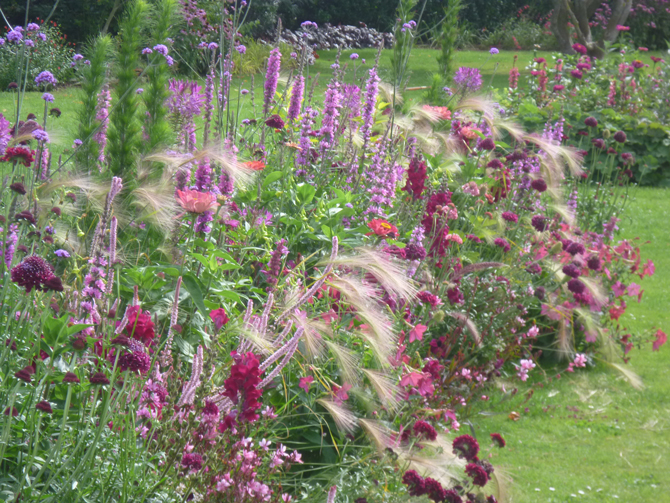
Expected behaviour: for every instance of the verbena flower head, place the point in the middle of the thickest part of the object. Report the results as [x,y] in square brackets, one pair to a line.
[161,49]
[33,27]
[241,49]
[14,36]
[468,79]
[46,78]
[353,56]
[49,98]
[62,253]
[493,51]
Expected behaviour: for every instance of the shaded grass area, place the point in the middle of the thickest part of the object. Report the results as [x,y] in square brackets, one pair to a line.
[590,436]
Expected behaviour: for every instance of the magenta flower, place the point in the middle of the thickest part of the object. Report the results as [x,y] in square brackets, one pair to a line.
[271,78]
[219,318]
[305,382]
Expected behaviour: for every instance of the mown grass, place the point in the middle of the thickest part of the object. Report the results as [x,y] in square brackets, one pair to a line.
[590,436]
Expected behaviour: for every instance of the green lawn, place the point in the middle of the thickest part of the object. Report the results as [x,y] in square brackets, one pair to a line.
[591,431]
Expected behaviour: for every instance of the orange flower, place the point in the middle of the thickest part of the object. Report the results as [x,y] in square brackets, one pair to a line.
[293,145]
[196,202]
[255,165]
[470,133]
[382,228]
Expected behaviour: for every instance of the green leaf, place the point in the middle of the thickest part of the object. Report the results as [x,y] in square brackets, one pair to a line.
[194,289]
[272,177]
[306,193]
[229,294]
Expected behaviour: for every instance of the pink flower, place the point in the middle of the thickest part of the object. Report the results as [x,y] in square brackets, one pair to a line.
[194,201]
[648,270]
[533,331]
[466,373]
[622,28]
[341,393]
[305,382]
[219,318]
[634,291]
[422,382]
[661,339]
[580,360]
[416,334]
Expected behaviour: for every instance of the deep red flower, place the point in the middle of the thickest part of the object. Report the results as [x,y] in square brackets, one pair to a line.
[576,286]
[44,406]
[451,496]
[538,222]
[244,377]
[219,317]
[414,482]
[510,217]
[466,447]
[70,377]
[591,122]
[25,373]
[275,122]
[572,270]
[416,177]
[422,428]
[22,155]
[620,137]
[477,474]
[31,273]
[593,263]
[498,440]
[434,490]
[26,215]
[539,184]
[14,411]
[382,228]
[98,378]
[18,187]
[139,325]
[191,461]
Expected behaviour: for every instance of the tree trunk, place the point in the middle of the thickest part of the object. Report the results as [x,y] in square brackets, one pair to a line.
[559,27]
[620,12]
[115,7]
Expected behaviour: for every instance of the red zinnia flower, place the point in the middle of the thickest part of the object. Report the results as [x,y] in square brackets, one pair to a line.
[23,155]
[382,228]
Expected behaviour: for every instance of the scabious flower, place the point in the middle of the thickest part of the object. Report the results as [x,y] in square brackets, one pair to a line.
[35,272]
[502,243]
[135,358]
[44,406]
[510,216]
[466,447]
[98,378]
[539,184]
[41,135]
[22,155]
[620,137]
[271,79]
[477,474]
[275,122]
[498,440]
[414,482]
[468,79]
[576,286]
[422,428]
[62,253]
[192,462]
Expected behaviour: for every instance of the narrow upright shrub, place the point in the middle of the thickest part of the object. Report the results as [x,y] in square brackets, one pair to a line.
[157,128]
[125,131]
[449,37]
[92,81]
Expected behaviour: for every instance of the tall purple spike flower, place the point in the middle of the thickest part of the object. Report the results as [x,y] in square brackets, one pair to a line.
[381,179]
[45,163]
[352,100]
[102,115]
[5,135]
[203,176]
[271,78]
[304,155]
[370,105]
[9,247]
[296,97]
[185,102]
[209,101]
[331,112]
[468,79]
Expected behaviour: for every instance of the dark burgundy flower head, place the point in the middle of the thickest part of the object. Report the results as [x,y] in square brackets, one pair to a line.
[415,252]
[498,440]
[192,461]
[210,408]
[21,155]
[31,273]
[22,248]
[241,385]
[576,286]
[14,411]
[12,85]
[434,490]
[31,117]
[571,270]
[98,378]
[71,196]
[591,122]
[495,164]
[599,143]
[26,215]
[540,292]
[477,474]
[55,112]
[539,223]
[25,373]
[510,216]
[18,187]
[414,482]
[137,361]
[121,340]
[55,284]
[79,342]
[11,343]
[593,263]
[452,496]
[487,144]
[422,428]
[44,406]
[416,177]
[502,243]
[71,378]
[620,137]
[56,211]
[539,184]
[275,122]
[575,248]
[466,447]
